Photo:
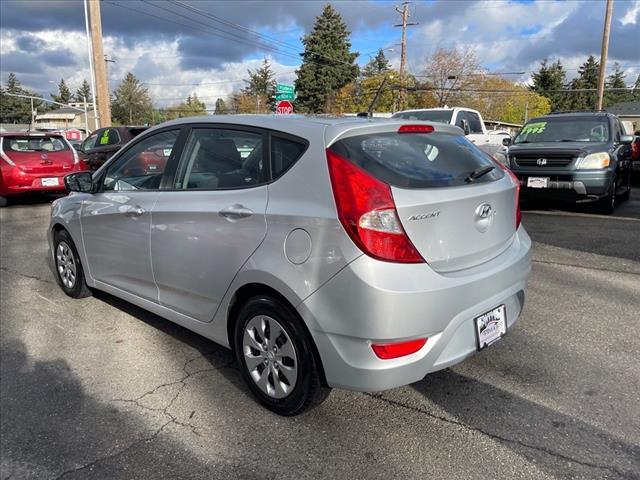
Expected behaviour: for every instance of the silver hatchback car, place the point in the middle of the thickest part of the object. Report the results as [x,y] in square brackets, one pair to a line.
[324,252]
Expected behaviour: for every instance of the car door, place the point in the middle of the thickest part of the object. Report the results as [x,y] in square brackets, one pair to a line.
[208,226]
[116,221]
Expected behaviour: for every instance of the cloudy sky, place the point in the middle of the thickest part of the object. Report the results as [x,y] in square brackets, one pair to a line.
[182,46]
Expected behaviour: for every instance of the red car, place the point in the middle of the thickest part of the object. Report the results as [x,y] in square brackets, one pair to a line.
[35,162]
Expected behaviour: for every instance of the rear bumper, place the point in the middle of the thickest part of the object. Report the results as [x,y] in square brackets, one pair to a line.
[575,186]
[7,189]
[371,301]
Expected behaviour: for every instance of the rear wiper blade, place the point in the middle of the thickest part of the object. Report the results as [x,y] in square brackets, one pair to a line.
[478,172]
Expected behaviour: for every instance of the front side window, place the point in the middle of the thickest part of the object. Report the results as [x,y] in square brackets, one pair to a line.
[216,158]
[475,126]
[89,142]
[141,167]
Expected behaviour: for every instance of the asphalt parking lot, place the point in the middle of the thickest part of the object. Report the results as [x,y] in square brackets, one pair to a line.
[97,388]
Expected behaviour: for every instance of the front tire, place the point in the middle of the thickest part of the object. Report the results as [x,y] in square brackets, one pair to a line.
[276,357]
[68,269]
[608,203]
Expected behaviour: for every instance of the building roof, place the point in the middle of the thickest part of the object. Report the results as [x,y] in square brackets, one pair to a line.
[625,108]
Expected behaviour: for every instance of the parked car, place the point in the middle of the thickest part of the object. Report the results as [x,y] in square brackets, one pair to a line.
[579,157]
[357,254]
[35,162]
[471,123]
[635,153]
[98,147]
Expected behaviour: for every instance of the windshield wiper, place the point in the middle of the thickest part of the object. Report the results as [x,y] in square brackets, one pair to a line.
[479,172]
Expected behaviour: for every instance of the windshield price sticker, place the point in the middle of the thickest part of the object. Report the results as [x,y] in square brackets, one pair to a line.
[535,127]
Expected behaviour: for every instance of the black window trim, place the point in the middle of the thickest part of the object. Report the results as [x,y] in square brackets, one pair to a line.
[170,169]
[266,133]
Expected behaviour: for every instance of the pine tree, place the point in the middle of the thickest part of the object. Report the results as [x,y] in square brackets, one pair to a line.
[64,94]
[327,62]
[379,64]
[131,103]
[588,74]
[616,81]
[549,81]
[83,93]
[221,107]
[635,92]
[262,83]
[16,109]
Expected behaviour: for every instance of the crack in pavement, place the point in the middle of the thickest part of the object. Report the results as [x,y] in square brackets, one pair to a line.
[496,436]
[546,262]
[164,410]
[24,275]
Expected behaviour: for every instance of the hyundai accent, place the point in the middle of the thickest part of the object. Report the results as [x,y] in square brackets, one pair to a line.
[349,253]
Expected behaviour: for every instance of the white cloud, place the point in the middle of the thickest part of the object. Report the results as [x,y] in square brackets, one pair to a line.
[631,17]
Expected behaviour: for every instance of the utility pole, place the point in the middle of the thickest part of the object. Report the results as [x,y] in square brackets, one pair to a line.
[604,52]
[102,86]
[403,53]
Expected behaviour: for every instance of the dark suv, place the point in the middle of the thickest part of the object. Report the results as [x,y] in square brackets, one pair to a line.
[580,157]
[104,142]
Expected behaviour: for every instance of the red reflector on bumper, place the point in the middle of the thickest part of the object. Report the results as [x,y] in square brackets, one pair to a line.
[388,351]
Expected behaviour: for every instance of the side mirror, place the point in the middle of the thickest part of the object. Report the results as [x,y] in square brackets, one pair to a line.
[626,139]
[79,182]
[465,126]
[506,141]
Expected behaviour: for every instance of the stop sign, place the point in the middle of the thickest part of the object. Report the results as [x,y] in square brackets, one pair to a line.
[284,107]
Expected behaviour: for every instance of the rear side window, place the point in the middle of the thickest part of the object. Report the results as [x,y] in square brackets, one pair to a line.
[417,160]
[284,153]
[33,144]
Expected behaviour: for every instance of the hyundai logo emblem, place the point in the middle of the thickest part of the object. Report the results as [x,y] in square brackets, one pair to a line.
[541,161]
[484,217]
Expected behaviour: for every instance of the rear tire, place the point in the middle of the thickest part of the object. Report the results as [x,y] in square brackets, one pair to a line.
[626,195]
[3,202]
[276,358]
[68,269]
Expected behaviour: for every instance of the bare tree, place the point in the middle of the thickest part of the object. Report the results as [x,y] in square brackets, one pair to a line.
[447,71]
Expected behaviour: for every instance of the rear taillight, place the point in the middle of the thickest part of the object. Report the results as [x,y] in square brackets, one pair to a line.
[387,351]
[368,214]
[517,182]
[4,156]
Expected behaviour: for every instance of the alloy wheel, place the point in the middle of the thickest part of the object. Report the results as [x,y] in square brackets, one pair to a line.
[270,356]
[66,265]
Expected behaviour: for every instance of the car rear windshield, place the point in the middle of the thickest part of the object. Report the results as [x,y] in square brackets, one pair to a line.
[25,143]
[441,116]
[417,160]
[565,129]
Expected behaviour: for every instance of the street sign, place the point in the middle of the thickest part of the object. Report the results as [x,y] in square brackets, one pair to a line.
[284,107]
[283,88]
[285,96]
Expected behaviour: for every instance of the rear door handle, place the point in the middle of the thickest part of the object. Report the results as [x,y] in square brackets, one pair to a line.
[236,212]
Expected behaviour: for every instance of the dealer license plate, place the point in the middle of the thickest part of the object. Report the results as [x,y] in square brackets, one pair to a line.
[491,326]
[50,182]
[538,182]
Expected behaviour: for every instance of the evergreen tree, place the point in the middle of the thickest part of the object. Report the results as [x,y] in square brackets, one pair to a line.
[221,107]
[588,74]
[82,93]
[16,109]
[549,81]
[131,103]
[635,92]
[190,108]
[379,64]
[64,94]
[616,81]
[327,62]
[262,84]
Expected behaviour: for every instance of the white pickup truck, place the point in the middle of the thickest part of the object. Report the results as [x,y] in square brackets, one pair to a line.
[470,121]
